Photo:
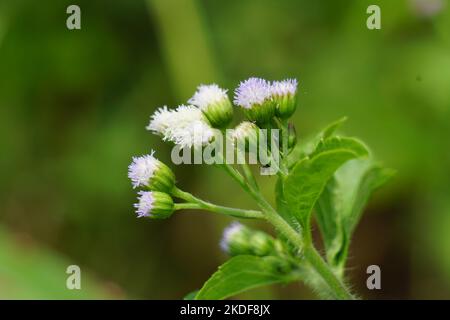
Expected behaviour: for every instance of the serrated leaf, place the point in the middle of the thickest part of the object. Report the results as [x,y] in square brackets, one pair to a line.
[341,204]
[308,178]
[242,273]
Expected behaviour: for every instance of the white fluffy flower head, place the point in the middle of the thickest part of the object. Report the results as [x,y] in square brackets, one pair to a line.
[207,95]
[145,204]
[142,169]
[185,126]
[285,87]
[233,229]
[252,91]
[160,121]
[195,134]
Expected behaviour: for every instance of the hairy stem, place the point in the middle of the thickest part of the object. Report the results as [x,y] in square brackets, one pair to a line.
[322,268]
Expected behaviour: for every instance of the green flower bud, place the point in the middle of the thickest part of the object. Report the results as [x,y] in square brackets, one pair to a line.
[238,239]
[163,179]
[219,114]
[154,204]
[147,171]
[261,243]
[254,96]
[215,105]
[261,113]
[246,135]
[284,93]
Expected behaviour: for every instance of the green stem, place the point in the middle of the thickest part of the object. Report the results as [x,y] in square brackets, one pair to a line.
[249,176]
[305,243]
[269,213]
[284,127]
[325,272]
[279,223]
[196,203]
[187,205]
[310,253]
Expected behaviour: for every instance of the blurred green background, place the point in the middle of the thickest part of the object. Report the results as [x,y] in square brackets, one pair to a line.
[74,105]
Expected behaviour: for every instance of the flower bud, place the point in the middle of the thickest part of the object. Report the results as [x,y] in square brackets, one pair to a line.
[292,136]
[246,134]
[284,93]
[154,204]
[238,239]
[147,171]
[215,105]
[262,244]
[235,239]
[254,96]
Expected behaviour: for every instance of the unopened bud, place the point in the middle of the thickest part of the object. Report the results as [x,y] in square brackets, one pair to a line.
[238,239]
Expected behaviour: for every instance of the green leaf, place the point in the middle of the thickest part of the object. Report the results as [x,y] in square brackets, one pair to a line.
[243,273]
[282,206]
[308,145]
[336,143]
[340,207]
[308,178]
[331,128]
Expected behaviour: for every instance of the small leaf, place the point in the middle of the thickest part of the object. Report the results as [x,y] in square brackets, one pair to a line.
[331,128]
[308,178]
[340,143]
[340,206]
[243,273]
[308,145]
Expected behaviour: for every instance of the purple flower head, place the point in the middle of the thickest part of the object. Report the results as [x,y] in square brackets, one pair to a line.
[142,169]
[145,205]
[252,91]
[228,233]
[285,87]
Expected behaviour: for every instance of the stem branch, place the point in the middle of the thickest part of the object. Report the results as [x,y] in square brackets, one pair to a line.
[196,203]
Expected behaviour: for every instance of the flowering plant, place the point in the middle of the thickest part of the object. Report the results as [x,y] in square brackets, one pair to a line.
[331,175]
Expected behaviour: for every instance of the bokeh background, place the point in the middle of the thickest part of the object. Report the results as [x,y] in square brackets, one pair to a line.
[74,105]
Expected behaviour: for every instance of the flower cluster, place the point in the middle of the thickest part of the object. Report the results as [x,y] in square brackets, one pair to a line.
[197,124]
[268,138]
[261,100]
